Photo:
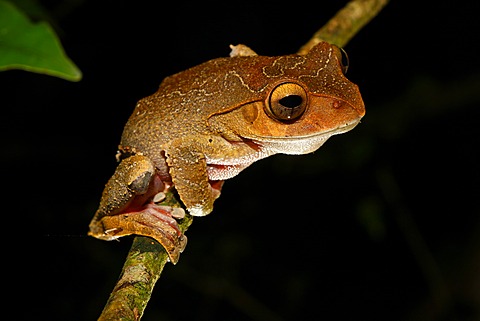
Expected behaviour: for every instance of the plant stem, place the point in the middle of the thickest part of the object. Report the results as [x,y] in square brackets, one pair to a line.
[346,23]
[141,270]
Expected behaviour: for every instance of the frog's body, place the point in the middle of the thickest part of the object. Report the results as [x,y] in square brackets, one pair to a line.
[206,124]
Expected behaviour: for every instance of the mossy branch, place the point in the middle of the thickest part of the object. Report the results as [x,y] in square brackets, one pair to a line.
[141,270]
[147,258]
[346,23]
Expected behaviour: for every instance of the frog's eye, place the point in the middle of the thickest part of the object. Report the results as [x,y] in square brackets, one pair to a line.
[344,62]
[287,101]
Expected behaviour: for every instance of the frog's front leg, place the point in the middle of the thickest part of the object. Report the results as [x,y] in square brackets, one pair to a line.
[128,207]
[188,168]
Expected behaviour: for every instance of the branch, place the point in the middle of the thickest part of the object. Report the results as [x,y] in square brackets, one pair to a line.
[346,23]
[147,258]
[141,270]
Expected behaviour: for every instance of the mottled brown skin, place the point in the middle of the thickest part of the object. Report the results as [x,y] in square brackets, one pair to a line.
[207,123]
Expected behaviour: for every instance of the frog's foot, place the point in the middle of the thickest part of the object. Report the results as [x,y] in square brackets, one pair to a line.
[153,220]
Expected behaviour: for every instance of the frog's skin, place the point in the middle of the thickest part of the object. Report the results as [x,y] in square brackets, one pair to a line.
[206,124]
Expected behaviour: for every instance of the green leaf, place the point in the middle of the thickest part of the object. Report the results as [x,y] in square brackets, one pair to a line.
[32,46]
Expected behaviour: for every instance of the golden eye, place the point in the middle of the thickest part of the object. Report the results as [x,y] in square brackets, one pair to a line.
[287,101]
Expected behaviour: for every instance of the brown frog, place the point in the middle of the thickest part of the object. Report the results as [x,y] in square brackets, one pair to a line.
[206,124]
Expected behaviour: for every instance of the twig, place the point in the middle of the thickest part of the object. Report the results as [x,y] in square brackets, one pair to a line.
[346,23]
[141,270]
[146,259]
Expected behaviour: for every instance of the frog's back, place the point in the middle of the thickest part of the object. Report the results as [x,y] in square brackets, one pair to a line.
[183,103]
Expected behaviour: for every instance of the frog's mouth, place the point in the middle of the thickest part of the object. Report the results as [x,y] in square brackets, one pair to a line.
[298,145]
[267,146]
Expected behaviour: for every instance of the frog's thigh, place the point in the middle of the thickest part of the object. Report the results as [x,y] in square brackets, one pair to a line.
[188,169]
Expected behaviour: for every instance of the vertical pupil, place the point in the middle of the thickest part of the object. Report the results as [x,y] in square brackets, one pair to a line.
[291,101]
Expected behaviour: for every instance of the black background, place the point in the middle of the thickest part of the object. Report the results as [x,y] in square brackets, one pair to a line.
[381,223]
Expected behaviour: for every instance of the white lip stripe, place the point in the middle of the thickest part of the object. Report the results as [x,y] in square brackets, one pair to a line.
[225,169]
[290,139]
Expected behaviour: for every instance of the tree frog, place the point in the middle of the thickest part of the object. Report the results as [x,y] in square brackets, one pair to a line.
[206,124]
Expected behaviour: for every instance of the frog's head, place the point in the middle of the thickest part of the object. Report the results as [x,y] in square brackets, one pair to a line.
[296,103]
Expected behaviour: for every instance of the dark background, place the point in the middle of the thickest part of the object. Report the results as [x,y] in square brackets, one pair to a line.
[382,223]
